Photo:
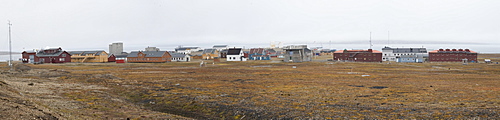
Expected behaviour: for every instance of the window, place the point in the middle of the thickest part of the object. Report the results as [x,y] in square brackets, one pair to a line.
[61,59]
[63,55]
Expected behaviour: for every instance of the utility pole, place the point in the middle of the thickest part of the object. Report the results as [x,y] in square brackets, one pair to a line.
[10,47]
[371,40]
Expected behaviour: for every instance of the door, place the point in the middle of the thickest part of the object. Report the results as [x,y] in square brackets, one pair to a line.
[31,59]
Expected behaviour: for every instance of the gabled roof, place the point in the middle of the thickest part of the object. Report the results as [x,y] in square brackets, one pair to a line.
[209,51]
[257,51]
[147,53]
[42,53]
[121,56]
[234,51]
[223,51]
[96,52]
[271,50]
[178,55]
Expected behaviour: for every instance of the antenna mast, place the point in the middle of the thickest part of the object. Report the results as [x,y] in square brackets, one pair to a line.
[371,40]
[10,46]
[388,38]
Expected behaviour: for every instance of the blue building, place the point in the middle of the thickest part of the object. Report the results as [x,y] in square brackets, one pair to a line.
[259,54]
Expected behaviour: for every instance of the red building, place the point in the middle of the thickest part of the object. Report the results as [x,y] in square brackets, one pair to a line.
[28,57]
[452,55]
[358,55]
[53,55]
[111,58]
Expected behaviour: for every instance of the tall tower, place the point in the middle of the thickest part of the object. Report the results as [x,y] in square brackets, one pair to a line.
[116,48]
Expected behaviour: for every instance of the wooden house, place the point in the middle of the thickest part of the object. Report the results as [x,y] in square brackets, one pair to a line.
[258,54]
[149,57]
[111,58]
[210,54]
[235,54]
[223,53]
[89,56]
[50,55]
[358,55]
[28,56]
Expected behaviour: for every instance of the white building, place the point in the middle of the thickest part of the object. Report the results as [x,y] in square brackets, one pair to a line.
[187,50]
[180,57]
[235,54]
[404,54]
[220,47]
[152,49]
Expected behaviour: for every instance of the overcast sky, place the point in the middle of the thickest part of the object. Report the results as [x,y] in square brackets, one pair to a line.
[93,24]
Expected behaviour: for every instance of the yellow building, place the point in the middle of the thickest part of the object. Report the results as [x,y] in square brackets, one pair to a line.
[89,56]
[209,54]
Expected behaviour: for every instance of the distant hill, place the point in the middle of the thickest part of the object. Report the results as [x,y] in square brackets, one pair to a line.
[7,52]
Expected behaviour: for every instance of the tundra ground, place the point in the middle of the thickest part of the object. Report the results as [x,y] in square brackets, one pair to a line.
[260,90]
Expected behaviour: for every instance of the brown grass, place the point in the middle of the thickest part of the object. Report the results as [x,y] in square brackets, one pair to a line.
[312,90]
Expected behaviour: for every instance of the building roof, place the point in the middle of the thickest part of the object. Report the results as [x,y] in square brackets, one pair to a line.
[147,53]
[372,51]
[42,53]
[234,51]
[271,50]
[178,55]
[257,51]
[452,51]
[220,46]
[209,51]
[49,54]
[121,56]
[223,51]
[406,50]
[96,52]
[186,48]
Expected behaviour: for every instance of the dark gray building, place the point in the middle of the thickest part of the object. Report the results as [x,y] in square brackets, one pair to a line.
[297,54]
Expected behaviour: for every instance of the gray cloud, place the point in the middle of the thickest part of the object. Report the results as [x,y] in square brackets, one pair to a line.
[93,24]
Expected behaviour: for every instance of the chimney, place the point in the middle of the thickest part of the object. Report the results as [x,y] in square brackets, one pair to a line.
[370,50]
[467,50]
[460,49]
[441,50]
[447,49]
